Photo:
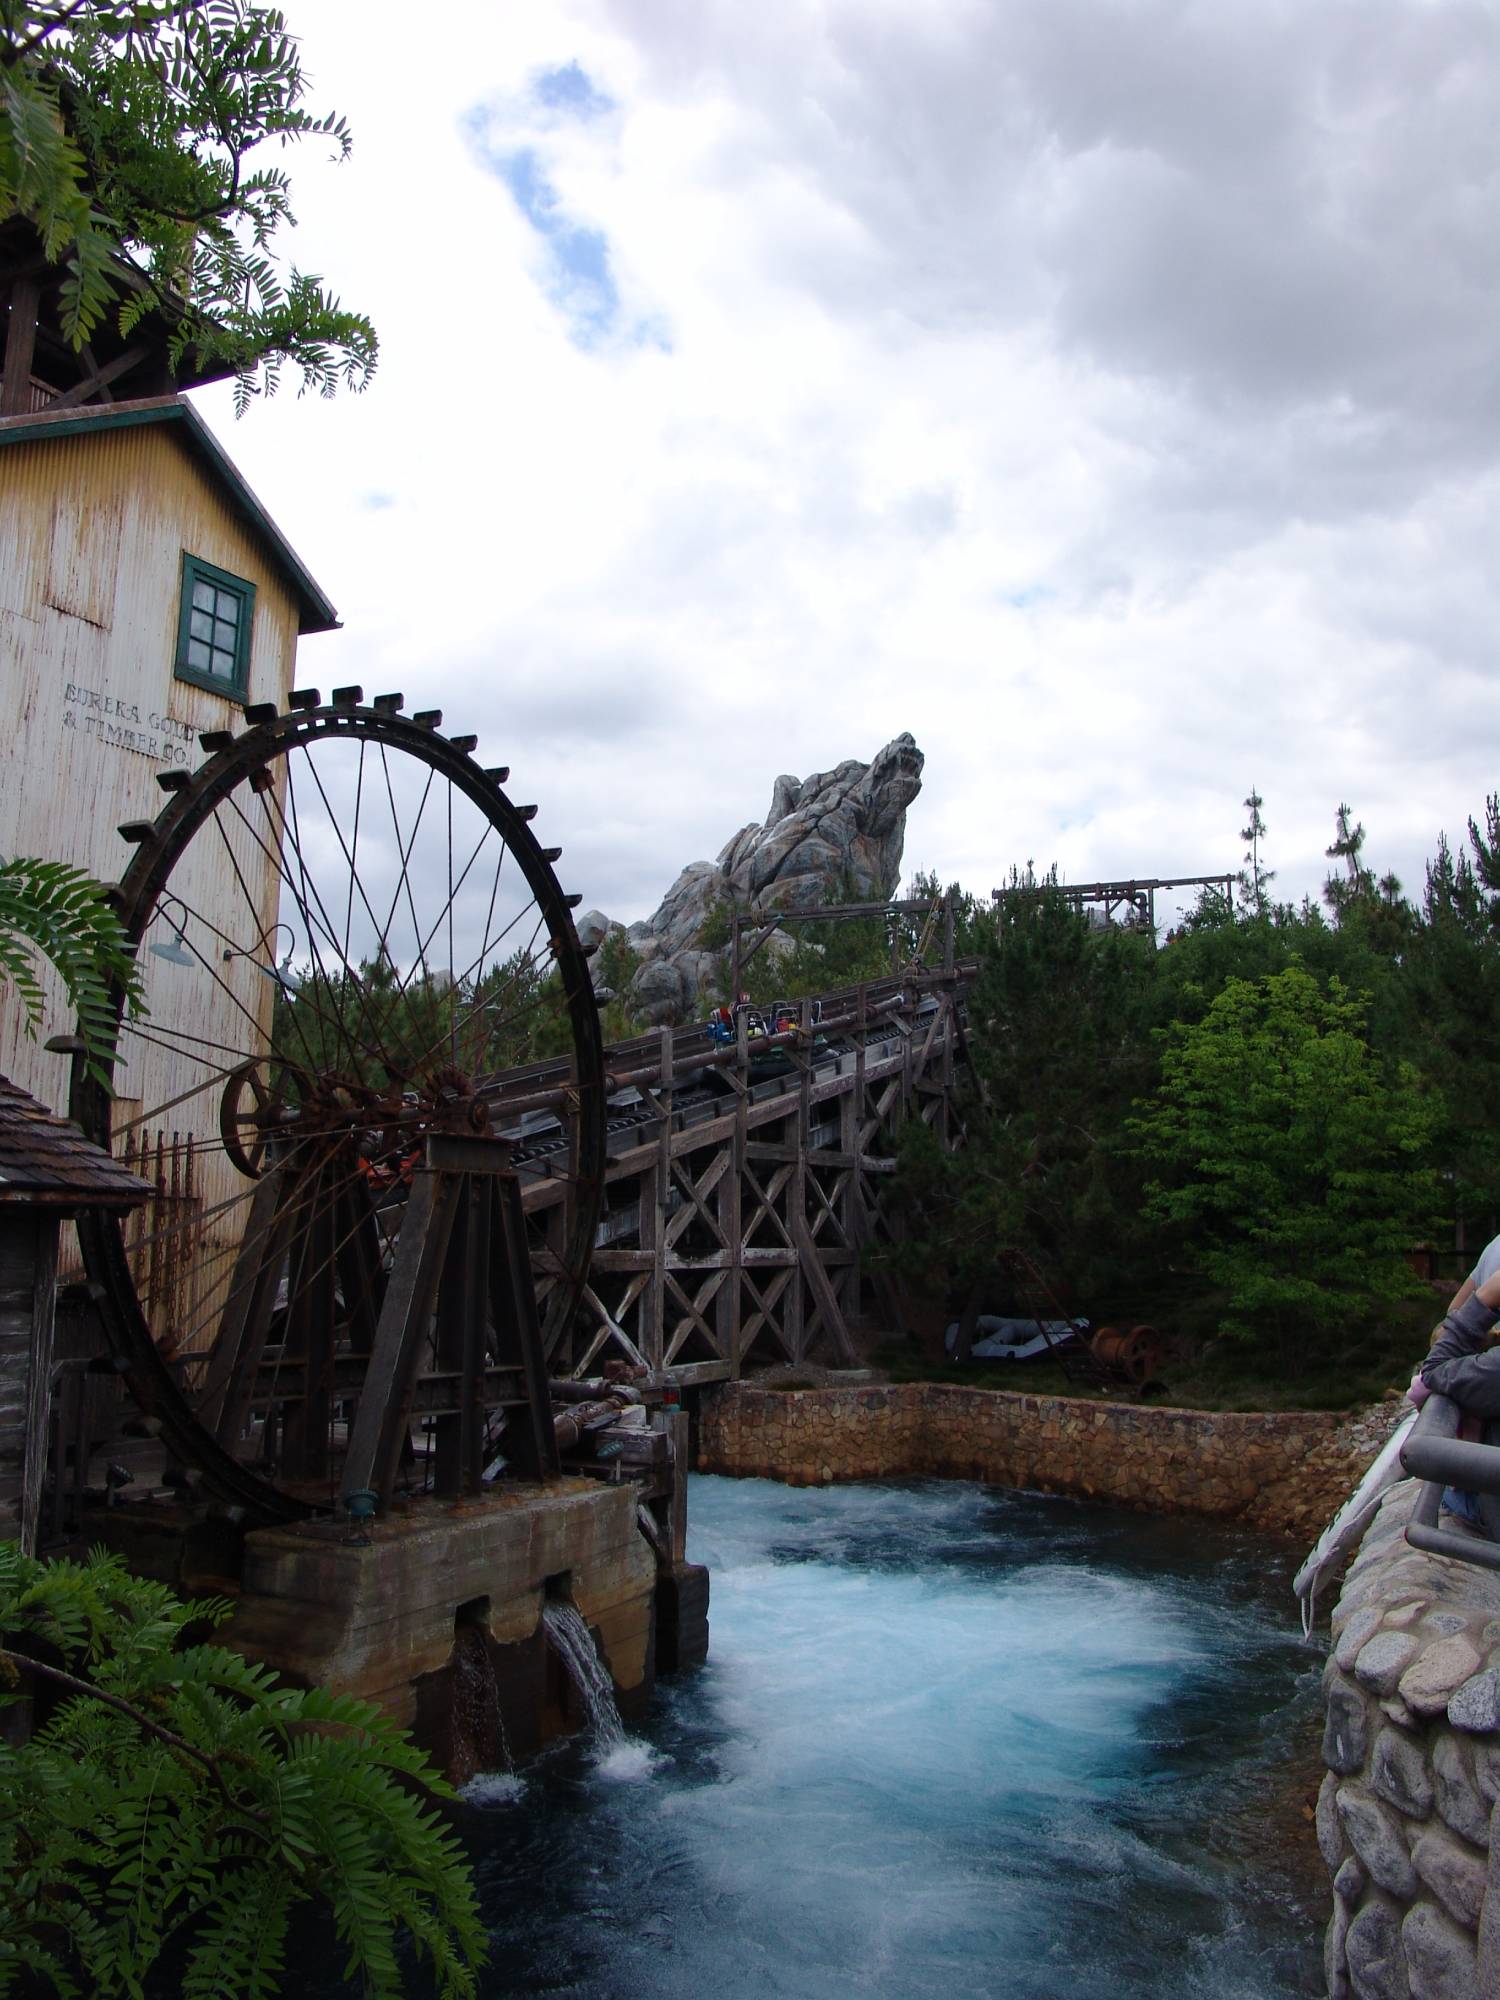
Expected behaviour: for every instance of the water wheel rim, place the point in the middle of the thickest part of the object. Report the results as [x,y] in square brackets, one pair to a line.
[256,761]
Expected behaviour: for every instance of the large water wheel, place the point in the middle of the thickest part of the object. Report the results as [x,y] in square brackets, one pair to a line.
[347,928]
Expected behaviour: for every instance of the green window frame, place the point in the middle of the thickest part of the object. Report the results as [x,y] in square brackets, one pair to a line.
[213,628]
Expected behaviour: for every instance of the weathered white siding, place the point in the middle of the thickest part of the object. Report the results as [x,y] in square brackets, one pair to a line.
[93,528]
[92,533]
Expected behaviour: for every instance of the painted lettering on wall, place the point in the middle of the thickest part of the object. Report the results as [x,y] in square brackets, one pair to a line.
[104,718]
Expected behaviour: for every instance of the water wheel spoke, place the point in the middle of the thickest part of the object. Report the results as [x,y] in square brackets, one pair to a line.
[362,930]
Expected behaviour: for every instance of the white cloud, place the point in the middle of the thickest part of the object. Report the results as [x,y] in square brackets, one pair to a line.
[1104,390]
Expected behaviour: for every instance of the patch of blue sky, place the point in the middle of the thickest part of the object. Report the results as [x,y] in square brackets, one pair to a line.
[1028,596]
[578,277]
[570,89]
[579,280]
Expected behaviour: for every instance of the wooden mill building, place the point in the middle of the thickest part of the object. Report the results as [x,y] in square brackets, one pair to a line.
[145,596]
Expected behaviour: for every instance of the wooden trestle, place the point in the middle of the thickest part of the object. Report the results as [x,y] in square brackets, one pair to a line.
[738,1216]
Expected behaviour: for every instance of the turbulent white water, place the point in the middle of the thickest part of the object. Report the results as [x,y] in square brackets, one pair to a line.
[949,1743]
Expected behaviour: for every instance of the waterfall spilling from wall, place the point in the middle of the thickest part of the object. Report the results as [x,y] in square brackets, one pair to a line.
[573,1643]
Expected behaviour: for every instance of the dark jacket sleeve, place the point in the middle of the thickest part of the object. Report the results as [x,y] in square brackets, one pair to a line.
[1463,1363]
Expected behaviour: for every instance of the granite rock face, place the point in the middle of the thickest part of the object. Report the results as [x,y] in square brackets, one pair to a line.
[848,824]
[1406,1821]
[843,829]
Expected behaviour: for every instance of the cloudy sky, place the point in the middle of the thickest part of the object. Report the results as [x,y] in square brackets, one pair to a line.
[1107,391]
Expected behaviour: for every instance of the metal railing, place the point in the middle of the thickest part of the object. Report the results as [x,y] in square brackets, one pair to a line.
[1437,1457]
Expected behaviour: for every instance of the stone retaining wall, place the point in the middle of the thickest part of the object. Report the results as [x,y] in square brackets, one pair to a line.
[1288,1471]
[1409,1813]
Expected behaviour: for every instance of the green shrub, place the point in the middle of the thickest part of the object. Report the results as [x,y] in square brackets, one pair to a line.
[176,1794]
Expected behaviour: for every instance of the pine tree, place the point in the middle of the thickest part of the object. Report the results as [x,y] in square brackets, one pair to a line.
[1254,879]
[1340,891]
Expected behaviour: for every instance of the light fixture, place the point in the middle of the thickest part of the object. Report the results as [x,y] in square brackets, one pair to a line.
[282,974]
[175,953]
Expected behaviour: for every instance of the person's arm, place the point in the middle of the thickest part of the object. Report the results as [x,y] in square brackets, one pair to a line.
[1463,1363]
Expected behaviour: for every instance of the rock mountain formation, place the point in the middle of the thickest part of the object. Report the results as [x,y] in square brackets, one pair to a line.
[839,830]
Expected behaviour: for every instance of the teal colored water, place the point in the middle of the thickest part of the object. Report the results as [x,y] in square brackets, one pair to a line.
[950,1742]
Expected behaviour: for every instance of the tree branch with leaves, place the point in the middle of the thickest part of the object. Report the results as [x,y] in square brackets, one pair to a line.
[129,136]
[62,913]
[176,1795]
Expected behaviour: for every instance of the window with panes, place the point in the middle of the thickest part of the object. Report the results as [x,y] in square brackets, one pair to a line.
[213,631]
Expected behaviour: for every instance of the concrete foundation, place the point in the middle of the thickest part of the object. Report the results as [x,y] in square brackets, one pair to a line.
[435,1611]
[377,1614]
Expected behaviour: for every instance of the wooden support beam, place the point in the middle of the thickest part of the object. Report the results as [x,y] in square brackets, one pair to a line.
[823,1293]
[20,346]
[246,1317]
[530,1440]
[311,1313]
[691,1374]
[380,1424]
[460,1339]
[93,385]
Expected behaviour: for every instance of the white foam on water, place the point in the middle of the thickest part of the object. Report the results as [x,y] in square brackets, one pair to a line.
[493,1788]
[948,1745]
[629,1762]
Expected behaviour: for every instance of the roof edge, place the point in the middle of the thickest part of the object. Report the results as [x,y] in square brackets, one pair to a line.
[316,613]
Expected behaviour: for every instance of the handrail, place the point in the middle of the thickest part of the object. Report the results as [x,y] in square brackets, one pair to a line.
[1437,1457]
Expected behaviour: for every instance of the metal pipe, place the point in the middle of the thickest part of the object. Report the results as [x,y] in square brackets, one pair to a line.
[1437,1457]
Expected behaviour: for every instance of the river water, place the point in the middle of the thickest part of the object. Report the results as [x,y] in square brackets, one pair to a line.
[949,1742]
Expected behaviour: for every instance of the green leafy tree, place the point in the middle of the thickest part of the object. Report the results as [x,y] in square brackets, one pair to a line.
[1451,979]
[64,915]
[1291,1165]
[176,1795]
[1059,1047]
[132,136]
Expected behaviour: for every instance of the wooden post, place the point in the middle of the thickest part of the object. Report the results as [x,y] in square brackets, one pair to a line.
[20,346]
[531,1440]
[851,1206]
[729,1212]
[463,1299]
[380,1424]
[311,1312]
[733,1197]
[655,1185]
[251,1301]
[680,1428]
[39,1398]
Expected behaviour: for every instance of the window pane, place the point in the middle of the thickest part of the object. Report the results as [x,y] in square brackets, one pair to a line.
[223,665]
[200,656]
[228,607]
[223,634]
[203,595]
[201,625]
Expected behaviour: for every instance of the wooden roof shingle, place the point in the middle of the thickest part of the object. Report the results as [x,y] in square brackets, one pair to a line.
[48,1162]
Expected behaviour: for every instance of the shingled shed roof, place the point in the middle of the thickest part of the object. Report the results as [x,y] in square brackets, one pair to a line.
[46,1161]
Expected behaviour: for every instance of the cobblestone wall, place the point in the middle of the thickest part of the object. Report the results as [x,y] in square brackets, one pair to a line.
[1409,1813]
[1288,1471]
